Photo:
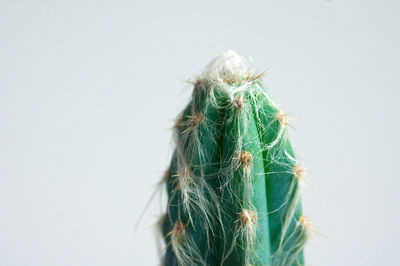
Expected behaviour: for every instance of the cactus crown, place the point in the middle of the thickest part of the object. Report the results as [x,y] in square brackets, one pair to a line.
[234,183]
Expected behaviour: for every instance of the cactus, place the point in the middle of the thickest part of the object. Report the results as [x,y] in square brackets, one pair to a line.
[233,183]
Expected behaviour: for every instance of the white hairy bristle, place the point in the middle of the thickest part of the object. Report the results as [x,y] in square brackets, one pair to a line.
[228,66]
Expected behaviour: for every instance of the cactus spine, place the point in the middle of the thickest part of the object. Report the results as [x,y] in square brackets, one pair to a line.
[234,183]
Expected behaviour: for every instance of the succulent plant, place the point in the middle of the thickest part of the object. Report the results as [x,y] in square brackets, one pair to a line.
[234,183]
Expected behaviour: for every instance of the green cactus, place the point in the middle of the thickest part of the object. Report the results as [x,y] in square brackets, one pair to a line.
[233,184]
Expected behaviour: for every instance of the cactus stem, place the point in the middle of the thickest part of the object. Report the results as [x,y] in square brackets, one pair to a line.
[234,185]
[193,122]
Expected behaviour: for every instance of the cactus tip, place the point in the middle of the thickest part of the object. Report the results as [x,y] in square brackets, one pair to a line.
[228,66]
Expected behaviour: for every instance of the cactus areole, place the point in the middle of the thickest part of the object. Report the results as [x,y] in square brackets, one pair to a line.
[233,183]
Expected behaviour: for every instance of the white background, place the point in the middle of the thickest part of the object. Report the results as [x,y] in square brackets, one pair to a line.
[88,90]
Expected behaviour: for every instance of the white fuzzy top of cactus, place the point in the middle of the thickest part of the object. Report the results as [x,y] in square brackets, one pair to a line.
[228,65]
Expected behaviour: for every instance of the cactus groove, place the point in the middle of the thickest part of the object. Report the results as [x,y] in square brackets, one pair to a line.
[233,184]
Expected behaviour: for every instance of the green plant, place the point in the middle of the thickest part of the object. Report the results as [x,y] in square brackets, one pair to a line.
[233,183]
